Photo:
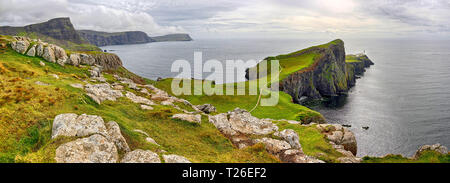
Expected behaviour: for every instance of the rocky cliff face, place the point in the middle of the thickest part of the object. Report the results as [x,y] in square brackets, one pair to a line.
[119,38]
[326,77]
[58,28]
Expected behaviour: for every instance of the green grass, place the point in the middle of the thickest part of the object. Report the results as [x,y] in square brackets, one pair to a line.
[425,157]
[225,103]
[28,111]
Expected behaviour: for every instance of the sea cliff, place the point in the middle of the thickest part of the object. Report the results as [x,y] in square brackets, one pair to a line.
[325,71]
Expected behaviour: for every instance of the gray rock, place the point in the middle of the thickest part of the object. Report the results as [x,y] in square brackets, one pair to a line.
[274,146]
[138,99]
[193,118]
[336,137]
[102,92]
[291,137]
[72,125]
[86,59]
[41,63]
[32,51]
[93,149]
[40,49]
[116,137]
[175,159]
[146,107]
[20,46]
[141,156]
[207,108]
[49,54]
[74,59]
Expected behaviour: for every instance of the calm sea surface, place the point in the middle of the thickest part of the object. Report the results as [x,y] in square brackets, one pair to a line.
[404,98]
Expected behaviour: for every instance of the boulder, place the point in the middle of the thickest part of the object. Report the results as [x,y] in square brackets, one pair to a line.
[336,137]
[291,137]
[49,54]
[116,137]
[141,156]
[242,121]
[40,49]
[297,156]
[41,63]
[86,59]
[138,99]
[175,159]
[32,51]
[72,125]
[93,149]
[146,107]
[102,92]
[436,147]
[349,142]
[193,118]
[20,46]
[60,55]
[74,59]
[223,124]
[274,146]
[206,108]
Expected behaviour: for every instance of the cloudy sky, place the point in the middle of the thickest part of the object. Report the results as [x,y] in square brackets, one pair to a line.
[244,18]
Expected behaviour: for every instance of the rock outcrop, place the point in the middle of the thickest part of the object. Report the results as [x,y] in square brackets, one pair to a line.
[339,135]
[72,125]
[193,118]
[102,92]
[141,156]
[93,149]
[207,108]
[117,38]
[175,159]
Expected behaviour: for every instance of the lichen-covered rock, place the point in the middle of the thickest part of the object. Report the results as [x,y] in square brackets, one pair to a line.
[20,46]
[291,137]
[141,156]
[193,118]
[86,59]
[72,125]
[274,146]
[436,147]
[49,54]
[243,122]
[40,49]
[207,108]
[138,99]
[146,107]
[77,85]
[175,159]
[116,137]
[60,55]
[93,149]
[32,51]
[151,141]
[339,135]
[297,156]
[74,59]
[102,92]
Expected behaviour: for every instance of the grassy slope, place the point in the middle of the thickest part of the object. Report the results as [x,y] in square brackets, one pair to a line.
[28,110]
[425,157]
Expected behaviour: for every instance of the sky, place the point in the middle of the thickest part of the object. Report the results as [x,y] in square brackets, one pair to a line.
[244,18]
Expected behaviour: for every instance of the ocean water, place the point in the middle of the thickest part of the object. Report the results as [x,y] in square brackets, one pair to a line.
[404,98]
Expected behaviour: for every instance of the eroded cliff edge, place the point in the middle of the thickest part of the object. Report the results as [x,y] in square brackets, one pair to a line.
[319,71]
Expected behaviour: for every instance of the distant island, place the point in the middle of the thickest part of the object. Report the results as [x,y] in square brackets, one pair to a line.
[62,32]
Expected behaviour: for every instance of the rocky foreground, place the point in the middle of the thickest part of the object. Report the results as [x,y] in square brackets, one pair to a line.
[95,141]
